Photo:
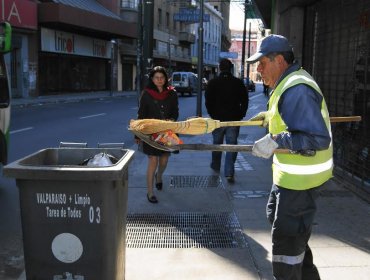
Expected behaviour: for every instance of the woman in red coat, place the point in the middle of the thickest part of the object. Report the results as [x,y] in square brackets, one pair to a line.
[158,101]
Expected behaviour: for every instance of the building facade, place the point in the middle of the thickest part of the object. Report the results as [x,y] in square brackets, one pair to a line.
[251,47]
[211,41]
[224,8]
[175,30]
[172,38]
[22,60]
[64,46]
[78,45]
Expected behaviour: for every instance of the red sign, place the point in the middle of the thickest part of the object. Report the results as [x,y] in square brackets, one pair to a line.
[19,13]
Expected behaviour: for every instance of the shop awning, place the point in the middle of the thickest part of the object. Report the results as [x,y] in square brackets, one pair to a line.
[264,8]
[86,15]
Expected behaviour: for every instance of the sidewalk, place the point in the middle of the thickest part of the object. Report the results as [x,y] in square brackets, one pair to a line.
[205,228]
[75,97]
[340,239]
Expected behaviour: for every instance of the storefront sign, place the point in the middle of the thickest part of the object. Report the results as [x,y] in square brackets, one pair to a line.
[19,13]
[69,43]
[190,16]
[232,55]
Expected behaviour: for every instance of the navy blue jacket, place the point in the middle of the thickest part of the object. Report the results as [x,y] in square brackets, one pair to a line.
[300,109]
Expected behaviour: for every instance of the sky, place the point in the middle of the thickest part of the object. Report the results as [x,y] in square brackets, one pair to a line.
[236,20]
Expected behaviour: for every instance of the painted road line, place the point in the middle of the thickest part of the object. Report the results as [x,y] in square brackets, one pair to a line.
[20,130]
[92,116]
[242,164]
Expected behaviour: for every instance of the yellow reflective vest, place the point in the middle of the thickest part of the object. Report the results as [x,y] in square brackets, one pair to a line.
[294,171]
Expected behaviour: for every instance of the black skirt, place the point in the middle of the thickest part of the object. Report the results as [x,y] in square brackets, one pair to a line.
[151,151]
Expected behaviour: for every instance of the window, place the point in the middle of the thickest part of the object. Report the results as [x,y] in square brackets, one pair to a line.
[168,20]
[159,17]
[13,68]
[132,4]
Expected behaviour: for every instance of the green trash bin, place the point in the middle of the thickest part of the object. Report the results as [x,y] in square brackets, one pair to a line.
[73,216]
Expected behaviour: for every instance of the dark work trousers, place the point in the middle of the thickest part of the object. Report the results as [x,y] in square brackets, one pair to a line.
[291,214]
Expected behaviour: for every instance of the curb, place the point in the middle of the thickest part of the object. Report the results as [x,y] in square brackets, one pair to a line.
[67,98]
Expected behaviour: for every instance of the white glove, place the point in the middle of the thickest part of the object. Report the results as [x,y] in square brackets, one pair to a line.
[264,147]
[261,116]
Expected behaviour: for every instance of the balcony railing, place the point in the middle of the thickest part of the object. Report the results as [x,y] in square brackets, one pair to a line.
[186,37]
[129,10]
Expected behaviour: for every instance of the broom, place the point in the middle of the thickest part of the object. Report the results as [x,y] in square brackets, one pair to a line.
[196,126]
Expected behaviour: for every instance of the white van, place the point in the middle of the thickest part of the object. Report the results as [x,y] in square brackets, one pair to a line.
[184,82]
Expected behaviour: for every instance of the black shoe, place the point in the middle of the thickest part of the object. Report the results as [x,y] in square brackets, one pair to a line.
[215,169]
[152,199]
[230,179]
[159,186]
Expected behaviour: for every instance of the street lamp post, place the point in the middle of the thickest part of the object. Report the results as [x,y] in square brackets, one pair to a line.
[200,59]
[139,51]
[169,57]
[242,66]
[112,56]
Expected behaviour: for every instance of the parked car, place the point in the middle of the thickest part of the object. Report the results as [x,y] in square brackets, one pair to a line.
[184,82]
[251,85]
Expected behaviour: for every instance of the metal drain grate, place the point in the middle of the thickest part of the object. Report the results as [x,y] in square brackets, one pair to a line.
[184,230]
[195,181]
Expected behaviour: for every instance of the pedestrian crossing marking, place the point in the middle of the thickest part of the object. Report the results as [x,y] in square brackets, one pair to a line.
[242,164]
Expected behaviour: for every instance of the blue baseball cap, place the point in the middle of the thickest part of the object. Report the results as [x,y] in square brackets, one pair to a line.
[272,43]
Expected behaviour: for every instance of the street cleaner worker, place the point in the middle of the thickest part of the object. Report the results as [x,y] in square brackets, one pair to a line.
[297,119]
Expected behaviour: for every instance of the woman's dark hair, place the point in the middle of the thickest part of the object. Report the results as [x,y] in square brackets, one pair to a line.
[157,69]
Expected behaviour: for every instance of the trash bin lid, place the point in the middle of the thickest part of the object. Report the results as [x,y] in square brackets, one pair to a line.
[66,164]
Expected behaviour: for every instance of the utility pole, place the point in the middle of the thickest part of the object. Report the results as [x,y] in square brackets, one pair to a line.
[112,62]
[147,35]
[249,51]
[139,50]
[169,58]
[243,45]
[200,59]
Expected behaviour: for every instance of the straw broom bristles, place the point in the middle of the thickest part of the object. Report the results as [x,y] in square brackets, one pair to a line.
[193,126]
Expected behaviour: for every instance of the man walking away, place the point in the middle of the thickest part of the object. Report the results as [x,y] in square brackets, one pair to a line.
[226,99]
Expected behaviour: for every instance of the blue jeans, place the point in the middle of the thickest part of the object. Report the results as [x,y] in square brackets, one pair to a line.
[231,136]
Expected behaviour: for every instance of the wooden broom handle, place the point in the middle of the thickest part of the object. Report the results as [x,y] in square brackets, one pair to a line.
[216,147]
[345,119]
[251,123]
